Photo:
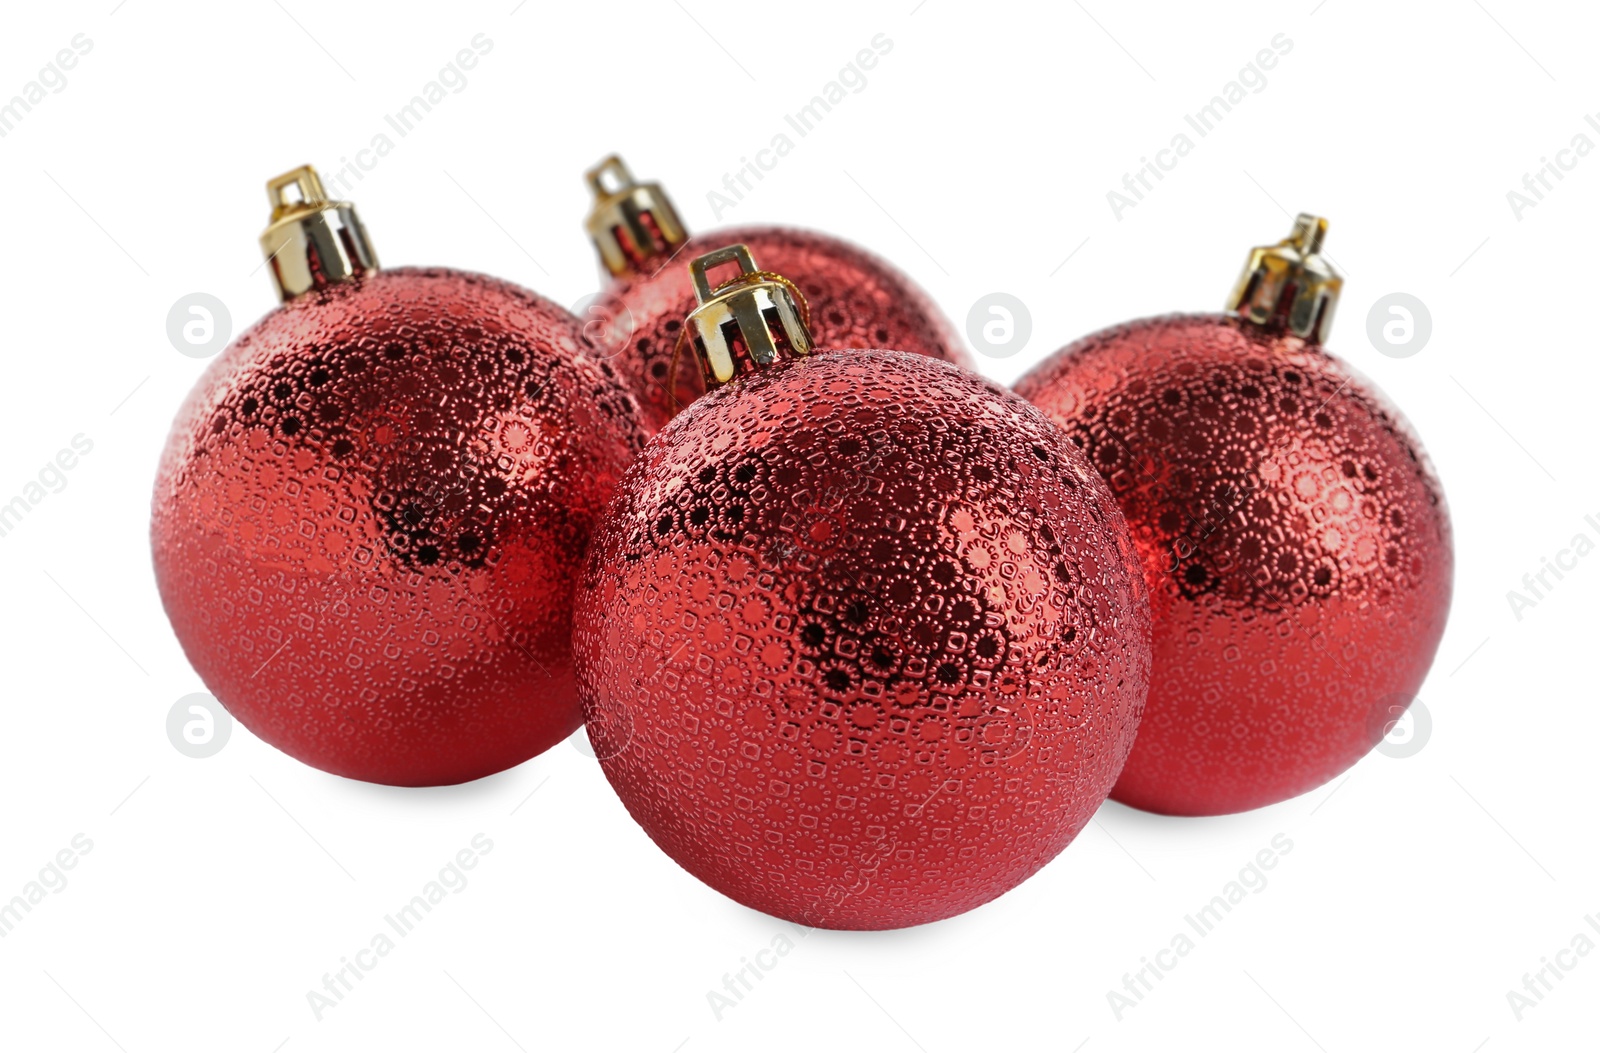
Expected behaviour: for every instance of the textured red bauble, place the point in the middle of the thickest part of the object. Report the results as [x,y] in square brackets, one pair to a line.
[1293,535]
[856,299]
[372,509]
[861,640]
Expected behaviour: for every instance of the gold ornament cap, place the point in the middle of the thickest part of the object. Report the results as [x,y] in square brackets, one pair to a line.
[1289,285]
[746,323]
[312,242]
[631,223]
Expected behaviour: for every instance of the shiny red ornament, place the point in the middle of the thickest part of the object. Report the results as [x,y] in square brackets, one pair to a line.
[860,640]
[1293,535]
[856,298]
[371,512]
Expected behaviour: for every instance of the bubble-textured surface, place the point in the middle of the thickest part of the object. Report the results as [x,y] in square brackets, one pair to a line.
[856,300]
[1294,539]
[861,641]
[370,516]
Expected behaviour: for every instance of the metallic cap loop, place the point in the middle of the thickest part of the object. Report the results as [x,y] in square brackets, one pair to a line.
[747,322]
[1288,285]
[631,223]
[312,242]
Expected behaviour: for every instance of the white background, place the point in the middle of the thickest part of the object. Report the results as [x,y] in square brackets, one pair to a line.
[218,892]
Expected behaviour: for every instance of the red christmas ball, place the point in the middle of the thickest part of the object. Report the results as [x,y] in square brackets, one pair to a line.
[859,641]
[856,299]
[370,516]
[1293,537]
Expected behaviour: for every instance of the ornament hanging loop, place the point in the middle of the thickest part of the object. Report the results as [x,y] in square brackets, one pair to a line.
[743,324]
[631,223]
[311,242]
[1290,285]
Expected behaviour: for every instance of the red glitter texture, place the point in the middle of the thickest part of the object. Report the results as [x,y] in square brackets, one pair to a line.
[1295,543]
[861,640]
[856,300]
[370,515]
